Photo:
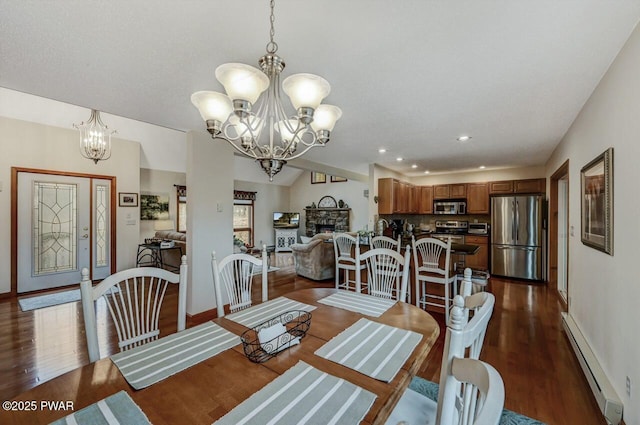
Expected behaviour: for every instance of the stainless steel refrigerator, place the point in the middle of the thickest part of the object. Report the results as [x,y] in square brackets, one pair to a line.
[518,236]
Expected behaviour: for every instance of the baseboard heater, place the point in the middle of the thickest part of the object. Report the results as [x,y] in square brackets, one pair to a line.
[606,396]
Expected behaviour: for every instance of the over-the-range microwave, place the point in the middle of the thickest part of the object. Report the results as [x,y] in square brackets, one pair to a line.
[449,207]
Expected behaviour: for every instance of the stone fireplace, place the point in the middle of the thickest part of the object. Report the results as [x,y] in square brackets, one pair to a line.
[319,220]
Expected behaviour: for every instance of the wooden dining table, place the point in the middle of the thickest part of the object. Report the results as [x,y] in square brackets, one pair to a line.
[208,390]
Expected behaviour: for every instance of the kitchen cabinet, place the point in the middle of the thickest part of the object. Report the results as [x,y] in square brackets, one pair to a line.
[450,191]
[479,260]
[518,186]
[425,204]
[501,187]
[477,198]
[530,186]
[458,191]
[396,197]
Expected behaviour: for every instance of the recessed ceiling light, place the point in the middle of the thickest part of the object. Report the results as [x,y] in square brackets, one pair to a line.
[482,167]
[382,150]
[414,166]
[399,159]
[426,172]
[464,138]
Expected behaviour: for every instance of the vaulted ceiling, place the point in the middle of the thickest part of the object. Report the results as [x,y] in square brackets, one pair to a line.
[410,76]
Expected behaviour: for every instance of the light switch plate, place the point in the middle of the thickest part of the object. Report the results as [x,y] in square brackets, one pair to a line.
[219,206]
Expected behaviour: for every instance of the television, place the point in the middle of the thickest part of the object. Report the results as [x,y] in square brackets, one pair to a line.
[286,220]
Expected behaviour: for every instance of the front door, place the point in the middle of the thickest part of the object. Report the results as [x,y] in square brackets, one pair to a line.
[63,227]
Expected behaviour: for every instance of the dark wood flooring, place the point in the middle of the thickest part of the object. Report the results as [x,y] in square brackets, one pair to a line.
[524,342]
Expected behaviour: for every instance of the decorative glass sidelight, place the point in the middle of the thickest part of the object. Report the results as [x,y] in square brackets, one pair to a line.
[101,211]
[54,227]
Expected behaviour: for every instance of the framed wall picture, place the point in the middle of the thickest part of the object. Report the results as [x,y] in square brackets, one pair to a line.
[154,206]
[336,179]
[127,199]
[596,182]
[318,177]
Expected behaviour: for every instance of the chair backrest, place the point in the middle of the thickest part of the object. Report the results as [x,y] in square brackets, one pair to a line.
[426,257]
[236,273]
[386,242]
[383,266]
[481,392]
[464,339]
[134,298]
[342,246]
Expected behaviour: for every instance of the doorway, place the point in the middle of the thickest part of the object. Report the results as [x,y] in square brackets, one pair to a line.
[61,223]
[559,232]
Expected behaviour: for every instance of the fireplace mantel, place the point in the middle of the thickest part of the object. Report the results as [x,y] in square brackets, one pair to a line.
[338,217]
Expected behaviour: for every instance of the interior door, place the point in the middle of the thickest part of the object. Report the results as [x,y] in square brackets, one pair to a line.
[56,235]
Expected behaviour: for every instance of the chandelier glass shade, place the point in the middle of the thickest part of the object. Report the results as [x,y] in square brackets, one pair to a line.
[95,138]
[251,117]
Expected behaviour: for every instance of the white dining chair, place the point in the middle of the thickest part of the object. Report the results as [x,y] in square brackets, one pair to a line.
[134,298]
[343,245]
[431,258]
[386,242]
[394,244]
[383,266]
[235,272]
[458,396]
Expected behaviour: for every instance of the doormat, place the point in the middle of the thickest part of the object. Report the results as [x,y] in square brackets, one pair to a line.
[48,300]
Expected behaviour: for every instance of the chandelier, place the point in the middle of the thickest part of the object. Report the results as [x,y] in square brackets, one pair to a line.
[242,115]
[95,138]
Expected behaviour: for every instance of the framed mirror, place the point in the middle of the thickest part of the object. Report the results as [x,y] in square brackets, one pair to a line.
[596,182]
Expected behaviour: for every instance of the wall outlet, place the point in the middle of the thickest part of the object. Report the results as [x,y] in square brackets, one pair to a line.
[572,231]
[628,387]
[219,206]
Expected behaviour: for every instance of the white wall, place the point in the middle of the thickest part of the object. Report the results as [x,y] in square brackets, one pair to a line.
[32,145]
[303,193]
[209,215]
[481,176]
[604,290]
[158,182]
[269,199]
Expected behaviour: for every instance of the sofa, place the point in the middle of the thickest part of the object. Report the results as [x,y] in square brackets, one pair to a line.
[180,239]
[315,260]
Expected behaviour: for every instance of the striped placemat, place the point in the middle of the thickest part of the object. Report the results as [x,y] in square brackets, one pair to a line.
[257,314]
[115,409]
[371,348]
[153,362]
[303,394]
[360,303]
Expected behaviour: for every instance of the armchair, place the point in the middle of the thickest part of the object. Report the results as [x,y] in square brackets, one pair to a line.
[315,260]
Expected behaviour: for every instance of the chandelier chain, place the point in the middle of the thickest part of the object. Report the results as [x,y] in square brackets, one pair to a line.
[272,46]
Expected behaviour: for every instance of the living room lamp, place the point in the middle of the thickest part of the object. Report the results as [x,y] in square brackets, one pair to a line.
[252,105]
[95,138]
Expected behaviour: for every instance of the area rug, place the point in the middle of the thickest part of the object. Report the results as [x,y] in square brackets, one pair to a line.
[48,300]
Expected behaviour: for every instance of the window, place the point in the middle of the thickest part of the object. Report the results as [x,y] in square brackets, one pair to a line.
[243,221]
[181,192]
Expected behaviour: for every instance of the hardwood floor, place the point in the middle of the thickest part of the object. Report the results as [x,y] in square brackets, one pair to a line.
[525,343]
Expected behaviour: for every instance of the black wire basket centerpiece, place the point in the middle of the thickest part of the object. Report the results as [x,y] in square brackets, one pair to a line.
[260,344]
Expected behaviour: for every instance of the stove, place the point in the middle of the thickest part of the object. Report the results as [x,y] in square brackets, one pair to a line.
[452,227]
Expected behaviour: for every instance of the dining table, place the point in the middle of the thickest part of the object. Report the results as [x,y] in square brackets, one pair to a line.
[206,391]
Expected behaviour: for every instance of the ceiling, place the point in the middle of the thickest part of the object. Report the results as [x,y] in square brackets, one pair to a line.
[409,76]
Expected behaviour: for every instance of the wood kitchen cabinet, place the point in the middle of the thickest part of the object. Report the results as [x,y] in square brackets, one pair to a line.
[518,186]
[479,260]
[477,198]
[530,186]
[450,191]
[396,197]
[425,204]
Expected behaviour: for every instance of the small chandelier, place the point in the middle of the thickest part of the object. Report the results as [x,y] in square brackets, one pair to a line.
[95,138]
[242,115]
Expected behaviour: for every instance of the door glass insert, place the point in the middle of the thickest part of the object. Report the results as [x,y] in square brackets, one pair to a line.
[54,227]
[101,225]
